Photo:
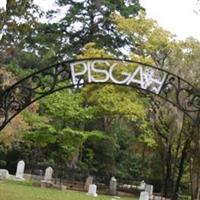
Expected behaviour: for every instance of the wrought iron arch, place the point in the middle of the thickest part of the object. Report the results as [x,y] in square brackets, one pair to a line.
[78,73]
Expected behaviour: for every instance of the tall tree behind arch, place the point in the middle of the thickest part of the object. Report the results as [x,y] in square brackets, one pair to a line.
[90,21]
[17,26]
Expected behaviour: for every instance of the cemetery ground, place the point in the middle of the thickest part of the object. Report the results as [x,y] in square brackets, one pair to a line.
[17,190]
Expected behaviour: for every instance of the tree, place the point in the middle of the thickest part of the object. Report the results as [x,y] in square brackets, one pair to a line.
[18,24]
[89,21]
[173,144]
[158,47]
[149,42]
[98,155]
[12,132]
[184,60]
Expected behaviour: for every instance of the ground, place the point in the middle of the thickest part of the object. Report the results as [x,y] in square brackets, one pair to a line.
[12,190]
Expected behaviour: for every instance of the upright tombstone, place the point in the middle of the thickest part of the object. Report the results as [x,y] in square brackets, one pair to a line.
[149,189]
[92,191]
[88,182]
[47,182]
[20,170]
[113,186]
[144,196]
[4,174]
[48,175]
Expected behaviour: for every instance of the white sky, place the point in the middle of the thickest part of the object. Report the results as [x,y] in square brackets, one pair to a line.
[176,16]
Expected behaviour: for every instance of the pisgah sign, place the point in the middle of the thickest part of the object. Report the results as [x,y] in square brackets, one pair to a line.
[101,71]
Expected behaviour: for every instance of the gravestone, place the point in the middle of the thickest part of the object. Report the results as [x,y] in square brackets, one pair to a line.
[113,186]
[48,174]
[47,182]
[20,170]
[149,189]
[88,182]
[92,191]
[4,174]
[144,196]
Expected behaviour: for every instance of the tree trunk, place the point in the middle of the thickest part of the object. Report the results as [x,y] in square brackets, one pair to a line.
[195,175]
[168,183]
[195,168]
[181,169]
[143,159]
[196,182]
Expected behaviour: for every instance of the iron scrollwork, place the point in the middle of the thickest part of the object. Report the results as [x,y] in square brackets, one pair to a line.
[182,94]
[30,89]
[57,77]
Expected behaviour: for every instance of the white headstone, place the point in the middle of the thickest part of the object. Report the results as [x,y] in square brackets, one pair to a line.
[4,174]
[92,191]
[20,170]
[48,174]
[144,196]
[149,189]
[113,186]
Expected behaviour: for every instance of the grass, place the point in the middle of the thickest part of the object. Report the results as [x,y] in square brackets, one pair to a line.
[14,190]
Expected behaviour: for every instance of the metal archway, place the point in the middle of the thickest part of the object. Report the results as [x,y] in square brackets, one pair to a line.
[77,73]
